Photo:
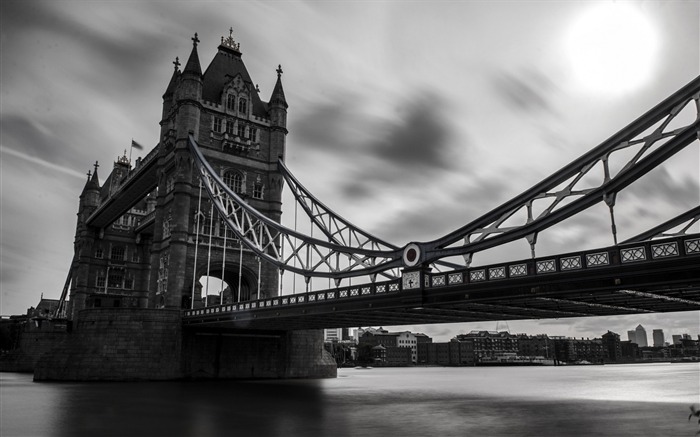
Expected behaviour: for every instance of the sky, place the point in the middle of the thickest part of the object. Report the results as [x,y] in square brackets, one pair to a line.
[410,118]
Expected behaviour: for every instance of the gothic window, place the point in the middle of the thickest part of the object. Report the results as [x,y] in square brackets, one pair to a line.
[100,280]
[223,228]
[238,183]
[99,253]
[230,125]
[253,134]
[217,124]
[241,130]
[205,224]
[258,190]
[231,102]
[116,279]
[243,106]
[117,253]
[234,180]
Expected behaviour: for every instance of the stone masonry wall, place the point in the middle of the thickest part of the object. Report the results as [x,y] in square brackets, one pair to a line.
[117,344]
[253,355]
[32,345]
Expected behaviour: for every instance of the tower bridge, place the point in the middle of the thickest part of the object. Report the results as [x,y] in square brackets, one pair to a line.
[207,201]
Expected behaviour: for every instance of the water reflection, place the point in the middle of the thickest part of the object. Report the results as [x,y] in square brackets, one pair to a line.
[584,401]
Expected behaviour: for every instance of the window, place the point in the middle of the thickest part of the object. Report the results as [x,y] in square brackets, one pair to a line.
[258,190]
[99,253]
[217,124]
[231,102]
[230,124]
[117,253]
[115,279]
[205,224]
[100,280]
[242,106]
[241,130]
[223,229]
[234,181]
[253,134]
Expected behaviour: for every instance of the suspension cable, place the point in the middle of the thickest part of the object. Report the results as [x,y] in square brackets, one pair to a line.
[223,268]
[196,243]
[211,229]
[240,269]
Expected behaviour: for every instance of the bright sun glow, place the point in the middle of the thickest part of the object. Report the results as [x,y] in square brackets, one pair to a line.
[612,48]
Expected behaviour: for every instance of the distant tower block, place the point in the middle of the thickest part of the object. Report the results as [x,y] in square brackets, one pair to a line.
[641,336]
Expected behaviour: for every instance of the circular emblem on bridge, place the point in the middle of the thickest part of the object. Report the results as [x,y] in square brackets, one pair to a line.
[411,255]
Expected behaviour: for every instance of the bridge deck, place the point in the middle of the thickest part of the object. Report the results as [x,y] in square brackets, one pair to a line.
[655,276]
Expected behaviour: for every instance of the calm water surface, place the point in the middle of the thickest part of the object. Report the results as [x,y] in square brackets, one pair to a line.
[617,400]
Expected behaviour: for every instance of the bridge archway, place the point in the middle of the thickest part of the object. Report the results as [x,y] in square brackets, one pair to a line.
[239,284]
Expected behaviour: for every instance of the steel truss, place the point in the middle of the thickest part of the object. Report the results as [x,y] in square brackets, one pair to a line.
[337,256]
[346,251]
[562,195]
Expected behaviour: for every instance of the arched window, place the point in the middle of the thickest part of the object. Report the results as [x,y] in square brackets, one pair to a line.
[234,180]
[243,105]
[231,102]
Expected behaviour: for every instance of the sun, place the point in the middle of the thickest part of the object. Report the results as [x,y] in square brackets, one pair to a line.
[612,48]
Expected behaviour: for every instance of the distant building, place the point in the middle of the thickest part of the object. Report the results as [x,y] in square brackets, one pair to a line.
[397,348]
[629,350]
[336,334]
[611,346]
[641,336]
[658,336]
[632,336]
[572,350]
[676,339]
[488,344]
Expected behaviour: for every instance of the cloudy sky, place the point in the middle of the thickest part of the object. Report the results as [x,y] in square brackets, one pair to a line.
[409,118]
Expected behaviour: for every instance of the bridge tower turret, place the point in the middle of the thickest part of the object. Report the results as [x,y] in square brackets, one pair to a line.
[242,137]
[83,243]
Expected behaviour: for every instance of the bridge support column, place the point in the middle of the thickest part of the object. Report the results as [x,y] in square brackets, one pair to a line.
[117,344]
[244,354]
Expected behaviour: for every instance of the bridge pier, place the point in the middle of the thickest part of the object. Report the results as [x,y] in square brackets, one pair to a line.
[242,354]
[126,344]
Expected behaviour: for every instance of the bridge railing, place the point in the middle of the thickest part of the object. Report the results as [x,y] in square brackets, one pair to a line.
[362,290]
[571,262]
[640,252]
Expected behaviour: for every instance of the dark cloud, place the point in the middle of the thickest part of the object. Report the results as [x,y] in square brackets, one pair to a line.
[420,139]
[416,149]
[524,90]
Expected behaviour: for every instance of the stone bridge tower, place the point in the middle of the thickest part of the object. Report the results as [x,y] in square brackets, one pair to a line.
[242,137]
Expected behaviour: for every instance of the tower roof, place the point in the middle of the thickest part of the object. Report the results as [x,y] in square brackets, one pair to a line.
[192,66]
[226,65]
[93,181]
[278,92]
[173,80]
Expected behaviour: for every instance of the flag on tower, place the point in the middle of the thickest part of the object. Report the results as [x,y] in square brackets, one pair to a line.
[136,145]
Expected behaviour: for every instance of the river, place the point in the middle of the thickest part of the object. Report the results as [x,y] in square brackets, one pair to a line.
[611,400]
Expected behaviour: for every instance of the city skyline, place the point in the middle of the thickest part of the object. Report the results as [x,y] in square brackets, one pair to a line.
[81,80]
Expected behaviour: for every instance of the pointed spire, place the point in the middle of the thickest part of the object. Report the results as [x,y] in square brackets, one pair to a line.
[278,91]
[192,65]
[93,182]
